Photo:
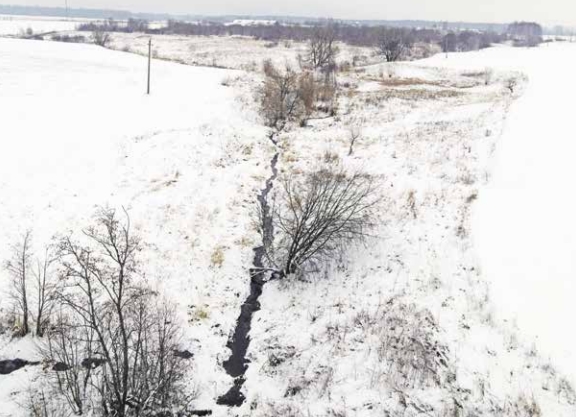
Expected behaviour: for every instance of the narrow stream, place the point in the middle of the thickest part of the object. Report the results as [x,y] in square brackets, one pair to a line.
[237,364]
[9,366]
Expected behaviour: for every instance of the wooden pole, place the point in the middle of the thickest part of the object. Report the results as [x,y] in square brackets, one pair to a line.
[149,62]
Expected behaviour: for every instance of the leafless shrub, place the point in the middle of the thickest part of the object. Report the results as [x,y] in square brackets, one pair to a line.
[217,257]
[317,215]
[288,95]
[410,350]
[394,43]
[511,84]
[354,133]
[277,409]
[114,341]
[101,37]
[522,407]
[411,203]
[330,157]
[307,90]
[277,355]
[279,98]
[326,95]
[19,268]
[565,389]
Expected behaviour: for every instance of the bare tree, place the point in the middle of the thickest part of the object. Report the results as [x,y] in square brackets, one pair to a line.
[45,287]
[393,43]
[322,48]
[316,216]
[101,37]
[19,268]
[114,338]
[354,132]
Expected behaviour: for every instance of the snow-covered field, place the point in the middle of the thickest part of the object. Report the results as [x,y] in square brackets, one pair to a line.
[524,223]
[186,162]
[235,52]
[16,25]
[413,323]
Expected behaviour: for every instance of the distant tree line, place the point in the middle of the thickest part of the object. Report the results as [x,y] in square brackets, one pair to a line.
[110,25]
[351,34]
[525,33]
[468,40]
[519,33]
[392,42]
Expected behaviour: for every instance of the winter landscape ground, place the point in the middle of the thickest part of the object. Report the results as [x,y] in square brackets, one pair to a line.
[458,302]
[13,25]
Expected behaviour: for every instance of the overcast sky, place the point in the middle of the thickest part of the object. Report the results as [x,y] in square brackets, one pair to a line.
[545,11]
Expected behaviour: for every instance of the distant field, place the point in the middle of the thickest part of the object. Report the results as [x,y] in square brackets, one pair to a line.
[14,25]
[228,52]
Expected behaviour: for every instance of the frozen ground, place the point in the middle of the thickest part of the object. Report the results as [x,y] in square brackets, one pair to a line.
[403,325]
[524,223]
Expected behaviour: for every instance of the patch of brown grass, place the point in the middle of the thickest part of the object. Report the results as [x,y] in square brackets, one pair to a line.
[405,82]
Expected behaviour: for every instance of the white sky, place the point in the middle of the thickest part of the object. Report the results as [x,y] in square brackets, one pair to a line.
[548,12]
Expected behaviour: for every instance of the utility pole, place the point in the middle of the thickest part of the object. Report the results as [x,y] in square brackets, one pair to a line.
[149,62]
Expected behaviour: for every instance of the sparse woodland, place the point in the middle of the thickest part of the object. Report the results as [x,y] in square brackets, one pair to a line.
[110,342]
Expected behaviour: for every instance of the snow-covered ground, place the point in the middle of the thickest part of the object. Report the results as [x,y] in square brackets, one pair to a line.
[429,133]
[16,25]
[79,132]
[524,222]
[403,325]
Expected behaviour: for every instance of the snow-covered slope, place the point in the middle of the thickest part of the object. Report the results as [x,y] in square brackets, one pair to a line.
[78,132]
[524,223]
[416,292]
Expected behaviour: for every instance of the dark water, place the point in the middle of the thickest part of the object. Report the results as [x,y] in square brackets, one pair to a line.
[237,364]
